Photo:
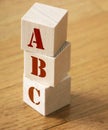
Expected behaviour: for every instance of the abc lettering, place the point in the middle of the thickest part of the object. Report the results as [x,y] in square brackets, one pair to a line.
[38,65]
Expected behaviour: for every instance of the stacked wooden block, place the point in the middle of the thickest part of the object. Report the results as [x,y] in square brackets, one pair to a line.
[46,85]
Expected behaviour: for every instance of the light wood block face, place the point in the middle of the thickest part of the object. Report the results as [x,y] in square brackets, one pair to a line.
[41,29]
[46,99]
[47,70]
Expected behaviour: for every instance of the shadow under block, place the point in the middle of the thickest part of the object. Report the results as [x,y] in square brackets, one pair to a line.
[46,99]
[47,70]
[52,25]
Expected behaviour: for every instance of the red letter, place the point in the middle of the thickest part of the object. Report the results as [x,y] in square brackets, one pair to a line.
[31,94]
[38,40]
[35,67]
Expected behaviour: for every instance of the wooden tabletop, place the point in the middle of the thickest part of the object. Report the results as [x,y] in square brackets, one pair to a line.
[88,34]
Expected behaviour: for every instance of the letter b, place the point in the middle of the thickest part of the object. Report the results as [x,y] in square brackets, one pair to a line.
[36,67]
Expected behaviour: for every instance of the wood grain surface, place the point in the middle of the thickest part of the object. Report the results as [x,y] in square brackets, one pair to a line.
[88,34]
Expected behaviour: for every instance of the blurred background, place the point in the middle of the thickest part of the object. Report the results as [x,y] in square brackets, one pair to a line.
[88,34]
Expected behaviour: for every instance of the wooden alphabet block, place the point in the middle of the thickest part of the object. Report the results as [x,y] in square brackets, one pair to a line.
[47,70]
[43,29]
[46,99]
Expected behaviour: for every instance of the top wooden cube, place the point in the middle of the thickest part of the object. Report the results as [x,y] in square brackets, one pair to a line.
[43,29]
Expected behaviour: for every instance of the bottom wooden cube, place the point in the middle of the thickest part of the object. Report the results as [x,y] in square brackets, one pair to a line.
[46,99]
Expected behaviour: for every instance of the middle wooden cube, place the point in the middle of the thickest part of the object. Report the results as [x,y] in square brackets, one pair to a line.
[47,70]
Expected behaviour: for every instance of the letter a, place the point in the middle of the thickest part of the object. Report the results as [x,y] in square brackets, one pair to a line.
[35,67]
[38,40]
